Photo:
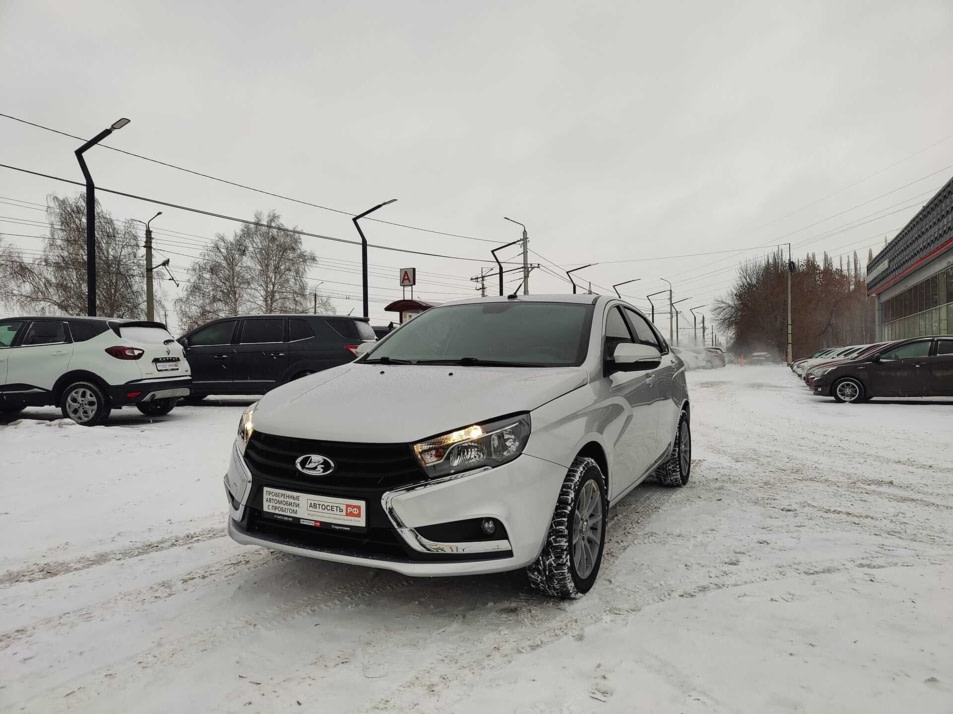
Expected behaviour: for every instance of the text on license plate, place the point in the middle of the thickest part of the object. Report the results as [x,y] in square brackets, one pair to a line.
[167,366]
[304,506]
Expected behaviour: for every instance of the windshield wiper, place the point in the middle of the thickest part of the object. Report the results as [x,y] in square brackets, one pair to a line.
[477,362]
[387,360]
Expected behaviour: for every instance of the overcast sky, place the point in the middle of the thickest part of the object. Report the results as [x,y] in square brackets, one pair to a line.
[616,131]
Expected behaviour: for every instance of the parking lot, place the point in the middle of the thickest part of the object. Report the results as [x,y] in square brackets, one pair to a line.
[808,565]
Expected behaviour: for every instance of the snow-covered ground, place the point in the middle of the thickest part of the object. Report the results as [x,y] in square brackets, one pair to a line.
[808,566]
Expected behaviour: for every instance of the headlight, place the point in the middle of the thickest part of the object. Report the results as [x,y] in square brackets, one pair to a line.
[246,428]
[821,372]
[473,447]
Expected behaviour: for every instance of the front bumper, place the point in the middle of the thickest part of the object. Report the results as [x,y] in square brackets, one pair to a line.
[149,390]
[520,496]
[821,387]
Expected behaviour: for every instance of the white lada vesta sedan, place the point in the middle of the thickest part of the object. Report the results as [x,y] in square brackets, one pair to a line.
[485,435]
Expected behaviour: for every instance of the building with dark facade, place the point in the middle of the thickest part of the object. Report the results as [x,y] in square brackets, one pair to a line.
[912,277]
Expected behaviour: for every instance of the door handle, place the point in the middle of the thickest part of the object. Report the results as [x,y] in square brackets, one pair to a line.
[650,378]
[220,357]
[59,353]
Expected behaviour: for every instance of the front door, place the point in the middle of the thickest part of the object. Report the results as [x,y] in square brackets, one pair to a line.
[634,431]
[210,352]
[902,371]
[666,409]
[941,369]
[261,355]
[43,355]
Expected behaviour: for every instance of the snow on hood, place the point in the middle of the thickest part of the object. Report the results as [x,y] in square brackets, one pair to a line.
[405,403]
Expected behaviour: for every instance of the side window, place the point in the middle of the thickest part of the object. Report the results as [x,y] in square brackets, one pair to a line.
[944,347]
[81,331]
[260,331]
[299,330]
[617,331]
[45,333]
[643,331]
[912,349]
[8,331]
[218,334]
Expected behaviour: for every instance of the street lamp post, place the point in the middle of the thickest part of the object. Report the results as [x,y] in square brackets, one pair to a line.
[367,308]
[649,298]
[493,251]
[676,317]
[525,255]
[616,286]
[570,272]
[695,323]
[91,214]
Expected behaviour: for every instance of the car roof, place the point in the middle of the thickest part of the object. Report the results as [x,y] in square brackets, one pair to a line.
[83,318]
[581,299]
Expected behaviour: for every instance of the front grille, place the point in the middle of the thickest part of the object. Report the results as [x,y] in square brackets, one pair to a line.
[375,467]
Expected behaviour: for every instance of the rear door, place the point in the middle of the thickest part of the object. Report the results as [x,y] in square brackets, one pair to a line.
[941,369]
[8,332]
[210,352]
[902,371]
[42,356]
[261,355]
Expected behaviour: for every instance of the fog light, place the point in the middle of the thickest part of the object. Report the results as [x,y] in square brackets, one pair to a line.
[488,525]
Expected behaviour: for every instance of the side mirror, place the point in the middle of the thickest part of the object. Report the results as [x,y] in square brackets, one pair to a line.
[630,357]
[365,347]
[184,341]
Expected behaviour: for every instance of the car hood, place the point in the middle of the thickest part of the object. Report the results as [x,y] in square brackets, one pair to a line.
[377,403]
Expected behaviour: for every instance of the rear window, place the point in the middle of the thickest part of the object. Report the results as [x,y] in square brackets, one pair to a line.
[299,330]
[351,329]
[8,332]
[145,335]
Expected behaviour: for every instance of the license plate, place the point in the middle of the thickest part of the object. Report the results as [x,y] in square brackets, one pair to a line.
[317,511]
[167,366]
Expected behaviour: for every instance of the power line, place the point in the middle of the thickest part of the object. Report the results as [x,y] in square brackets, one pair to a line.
[222,216]
[249,188]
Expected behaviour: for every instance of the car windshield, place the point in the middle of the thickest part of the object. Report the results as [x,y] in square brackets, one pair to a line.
[512,333]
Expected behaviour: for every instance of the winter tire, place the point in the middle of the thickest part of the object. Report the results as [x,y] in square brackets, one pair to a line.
[160,407]
[678,467]
[569,562]
[848,390]
[84,403]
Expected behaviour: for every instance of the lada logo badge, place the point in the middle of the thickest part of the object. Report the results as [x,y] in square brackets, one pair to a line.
[314,465]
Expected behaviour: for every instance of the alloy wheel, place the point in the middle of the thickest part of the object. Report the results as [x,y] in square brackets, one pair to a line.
[684,448]
[848,391]
[81,405]
[587,524]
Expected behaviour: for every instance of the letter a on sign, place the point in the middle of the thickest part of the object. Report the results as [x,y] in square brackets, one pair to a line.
[408,277]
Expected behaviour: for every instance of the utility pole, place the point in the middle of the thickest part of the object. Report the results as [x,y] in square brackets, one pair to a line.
[493,253]
[525,255]
[790,270]
[91,214]
[570,272]
[703,331]
[315,302]
[670,310]
[150,295]
[481,278]
[695,323]
[676,316]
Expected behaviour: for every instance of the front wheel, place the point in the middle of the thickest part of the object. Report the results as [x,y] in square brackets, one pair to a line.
[84,403]
[569,562]
[848,390]
[160,407]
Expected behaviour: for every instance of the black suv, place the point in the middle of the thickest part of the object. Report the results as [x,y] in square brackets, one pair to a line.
[250,355]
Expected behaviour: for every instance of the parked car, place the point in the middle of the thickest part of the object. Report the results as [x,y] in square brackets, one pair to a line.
[760,358]
[795,366]
[811,374]
[484,436]
[919,367]
[717,356]
[836,353]
[253,354]
[89,366]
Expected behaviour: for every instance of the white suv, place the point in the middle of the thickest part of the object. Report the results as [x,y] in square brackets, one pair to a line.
[485,435]
[89,366]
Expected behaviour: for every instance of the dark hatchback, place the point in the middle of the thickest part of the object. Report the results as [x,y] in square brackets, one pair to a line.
[918,367]
[253,354]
